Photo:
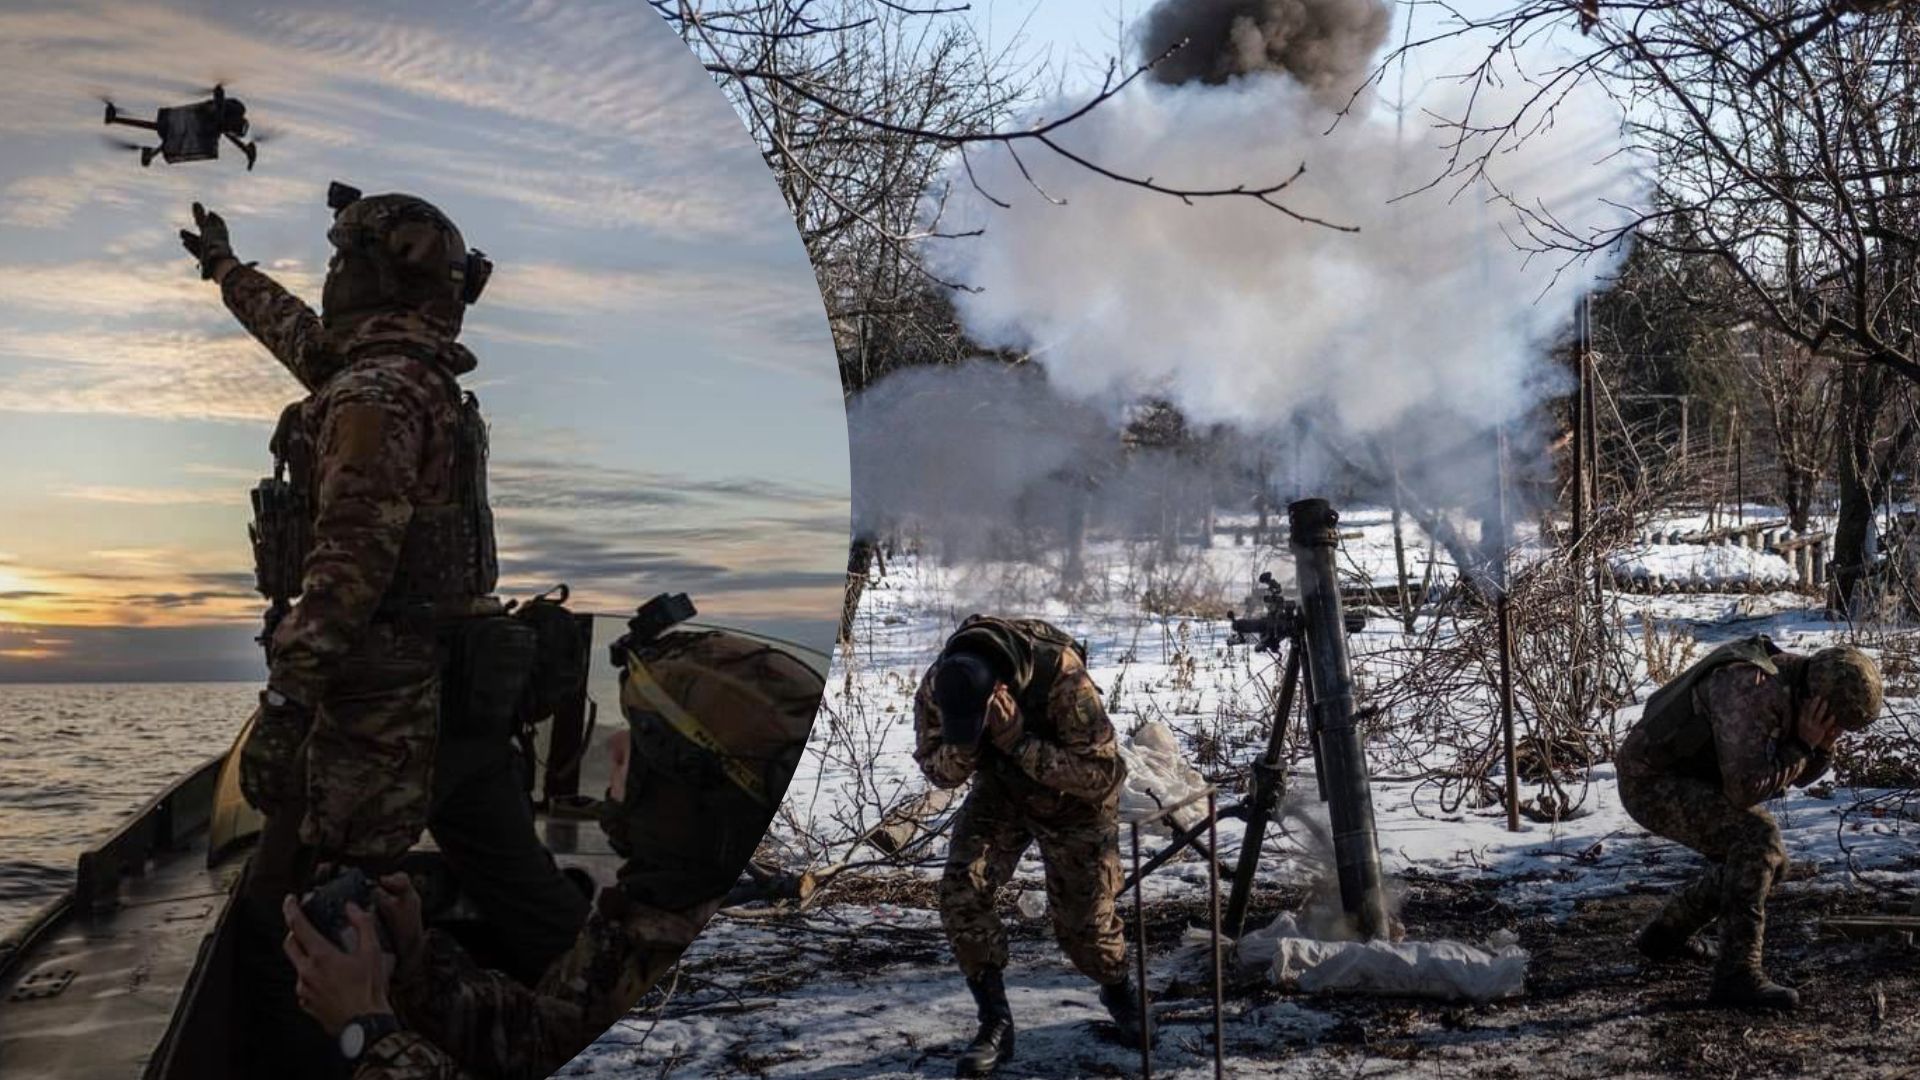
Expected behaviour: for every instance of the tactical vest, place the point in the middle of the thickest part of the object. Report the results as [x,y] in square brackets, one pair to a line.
[448,553]
[1673,731]
[1046,645]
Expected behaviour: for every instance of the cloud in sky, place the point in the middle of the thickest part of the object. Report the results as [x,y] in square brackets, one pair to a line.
[175,374]
[652,305]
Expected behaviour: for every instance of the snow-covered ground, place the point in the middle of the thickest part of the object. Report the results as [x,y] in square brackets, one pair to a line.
[862,982]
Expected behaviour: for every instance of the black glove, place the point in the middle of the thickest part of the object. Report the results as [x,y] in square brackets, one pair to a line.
[267,775]
[211,244]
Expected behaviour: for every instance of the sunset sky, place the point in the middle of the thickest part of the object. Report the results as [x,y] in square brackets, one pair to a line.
[653,355]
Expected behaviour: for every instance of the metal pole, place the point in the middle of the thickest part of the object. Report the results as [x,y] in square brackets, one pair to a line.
[1591,410]
[1140,957]
[1315,535]
[1219,977]
[1399,542]
[1506,710]
[1269,775]
[1580,430]
[1739,472]
[1505,629]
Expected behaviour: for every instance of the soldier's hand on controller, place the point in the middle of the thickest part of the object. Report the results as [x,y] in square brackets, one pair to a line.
[399,904]
[211,245]
[1005,726]
[335,986]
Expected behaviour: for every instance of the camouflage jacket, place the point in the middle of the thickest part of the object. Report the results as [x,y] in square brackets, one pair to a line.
[1756,753]
[1065,763]
[381,416]
[464,1022]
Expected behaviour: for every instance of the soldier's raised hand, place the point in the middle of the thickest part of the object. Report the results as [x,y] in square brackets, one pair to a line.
[212,244]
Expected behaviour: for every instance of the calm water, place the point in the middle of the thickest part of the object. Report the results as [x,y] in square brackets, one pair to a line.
[75,759]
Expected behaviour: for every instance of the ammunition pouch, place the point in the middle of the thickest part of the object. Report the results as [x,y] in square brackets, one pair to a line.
[488,662]
[281,533]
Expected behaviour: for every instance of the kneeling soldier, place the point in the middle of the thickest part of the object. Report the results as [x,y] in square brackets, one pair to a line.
[1732,731]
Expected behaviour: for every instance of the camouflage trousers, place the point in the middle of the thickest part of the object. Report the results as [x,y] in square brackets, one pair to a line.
[1083,879]
[370,753]
[1742,846]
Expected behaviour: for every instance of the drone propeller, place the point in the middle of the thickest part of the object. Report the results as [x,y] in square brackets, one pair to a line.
[121,144]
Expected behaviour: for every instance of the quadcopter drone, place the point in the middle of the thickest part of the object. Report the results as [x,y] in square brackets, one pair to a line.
[191,132]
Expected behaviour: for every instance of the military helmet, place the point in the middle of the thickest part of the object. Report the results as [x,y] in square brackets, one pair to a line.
[399,252]
[1850,683]
[718,723]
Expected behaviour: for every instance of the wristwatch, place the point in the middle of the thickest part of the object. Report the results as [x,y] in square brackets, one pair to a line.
[363,1031]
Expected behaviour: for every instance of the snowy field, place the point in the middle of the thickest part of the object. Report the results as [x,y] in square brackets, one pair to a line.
[860,981]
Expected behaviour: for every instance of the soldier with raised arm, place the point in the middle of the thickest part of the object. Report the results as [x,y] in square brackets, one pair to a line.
[1731,732]
[1009,705]
[384,534]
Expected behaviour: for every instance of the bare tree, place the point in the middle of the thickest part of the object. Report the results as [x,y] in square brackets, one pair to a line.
[1799,182]
[1785,148]
[860,108]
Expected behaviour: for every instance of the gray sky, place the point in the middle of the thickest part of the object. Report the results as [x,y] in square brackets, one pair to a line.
[654,357]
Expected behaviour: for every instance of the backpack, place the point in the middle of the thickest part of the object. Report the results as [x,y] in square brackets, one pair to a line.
[1674,730]
[718,723]
[563,644]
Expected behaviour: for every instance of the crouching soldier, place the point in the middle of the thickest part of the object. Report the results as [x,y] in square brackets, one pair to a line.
[716,727]
[1732,731]
[1009,705]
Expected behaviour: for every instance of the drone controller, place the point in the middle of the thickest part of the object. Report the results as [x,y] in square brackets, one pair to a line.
[326,908]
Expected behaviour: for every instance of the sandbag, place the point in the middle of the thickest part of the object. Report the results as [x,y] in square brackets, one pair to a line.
[1158,776]
[1447,970]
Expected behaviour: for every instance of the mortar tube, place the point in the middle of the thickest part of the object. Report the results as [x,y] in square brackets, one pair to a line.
[1356,848]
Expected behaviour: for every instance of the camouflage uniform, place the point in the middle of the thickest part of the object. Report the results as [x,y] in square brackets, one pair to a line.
[1710,801]
[388,471]
[466,1023]
[1060,785]
[380,421]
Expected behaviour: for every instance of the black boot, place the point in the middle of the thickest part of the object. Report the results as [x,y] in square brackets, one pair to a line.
[1664,944]
[1674,934]
[1122,1000]
[1747,987]
[994,1043]
[1739,980]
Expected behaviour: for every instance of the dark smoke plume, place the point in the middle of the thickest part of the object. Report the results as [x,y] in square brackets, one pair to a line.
[1325,45]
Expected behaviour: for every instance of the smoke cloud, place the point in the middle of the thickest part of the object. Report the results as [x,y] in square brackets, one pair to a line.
[1427,323]
[959,445]
[1324,45]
